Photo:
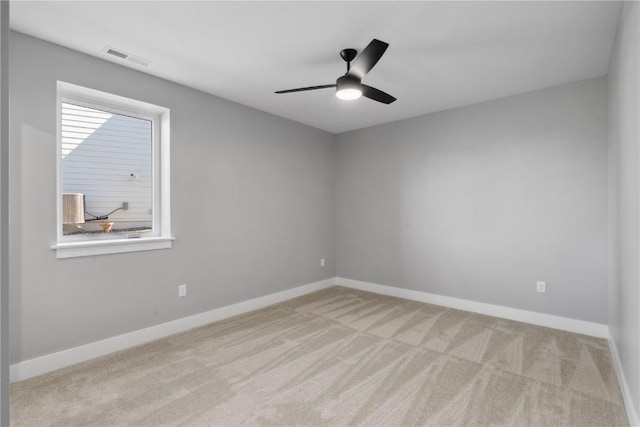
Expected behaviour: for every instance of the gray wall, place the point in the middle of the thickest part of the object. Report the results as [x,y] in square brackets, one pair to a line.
[252,209]
[481,202]
[4,213]
[624,140]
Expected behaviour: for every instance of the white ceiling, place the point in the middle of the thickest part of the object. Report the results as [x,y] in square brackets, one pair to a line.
[442,54]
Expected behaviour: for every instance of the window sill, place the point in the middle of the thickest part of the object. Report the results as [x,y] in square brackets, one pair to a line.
[114,246]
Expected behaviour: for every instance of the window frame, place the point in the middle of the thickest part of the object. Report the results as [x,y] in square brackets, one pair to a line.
[160,236]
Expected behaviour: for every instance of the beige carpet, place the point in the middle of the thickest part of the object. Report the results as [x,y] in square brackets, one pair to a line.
[338,357]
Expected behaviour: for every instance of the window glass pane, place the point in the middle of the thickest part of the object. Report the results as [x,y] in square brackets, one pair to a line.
[106,172]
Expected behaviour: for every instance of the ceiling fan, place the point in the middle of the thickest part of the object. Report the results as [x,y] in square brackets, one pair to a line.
[350,85]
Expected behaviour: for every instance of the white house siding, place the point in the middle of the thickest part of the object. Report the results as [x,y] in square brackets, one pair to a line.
[100,153]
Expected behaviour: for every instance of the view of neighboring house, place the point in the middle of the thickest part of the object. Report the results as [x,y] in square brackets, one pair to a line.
[106,167]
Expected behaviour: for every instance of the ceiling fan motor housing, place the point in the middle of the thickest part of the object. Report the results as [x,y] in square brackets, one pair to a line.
[348,82]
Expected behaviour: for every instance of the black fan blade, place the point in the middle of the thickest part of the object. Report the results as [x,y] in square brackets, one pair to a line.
[302,89]
[368,58]
[377,94]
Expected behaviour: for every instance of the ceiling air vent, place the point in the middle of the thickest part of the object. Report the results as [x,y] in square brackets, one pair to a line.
[116,53]
[137,60]
[124,55]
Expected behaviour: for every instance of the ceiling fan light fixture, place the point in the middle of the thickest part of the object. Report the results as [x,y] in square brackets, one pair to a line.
[348,94]
[348,88]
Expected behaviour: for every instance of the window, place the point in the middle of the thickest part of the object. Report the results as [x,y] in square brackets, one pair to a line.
[113,174]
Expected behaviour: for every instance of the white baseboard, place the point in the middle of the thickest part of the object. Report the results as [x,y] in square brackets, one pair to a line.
[41,365]
[541,319]
[629,405]
[50,362]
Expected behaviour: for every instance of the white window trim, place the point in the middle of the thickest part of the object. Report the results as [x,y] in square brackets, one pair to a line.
[110,246]
[75,246]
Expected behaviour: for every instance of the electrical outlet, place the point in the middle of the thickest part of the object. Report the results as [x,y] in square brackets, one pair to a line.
[322,263]
[541,286]
[125,206]
[182,290]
